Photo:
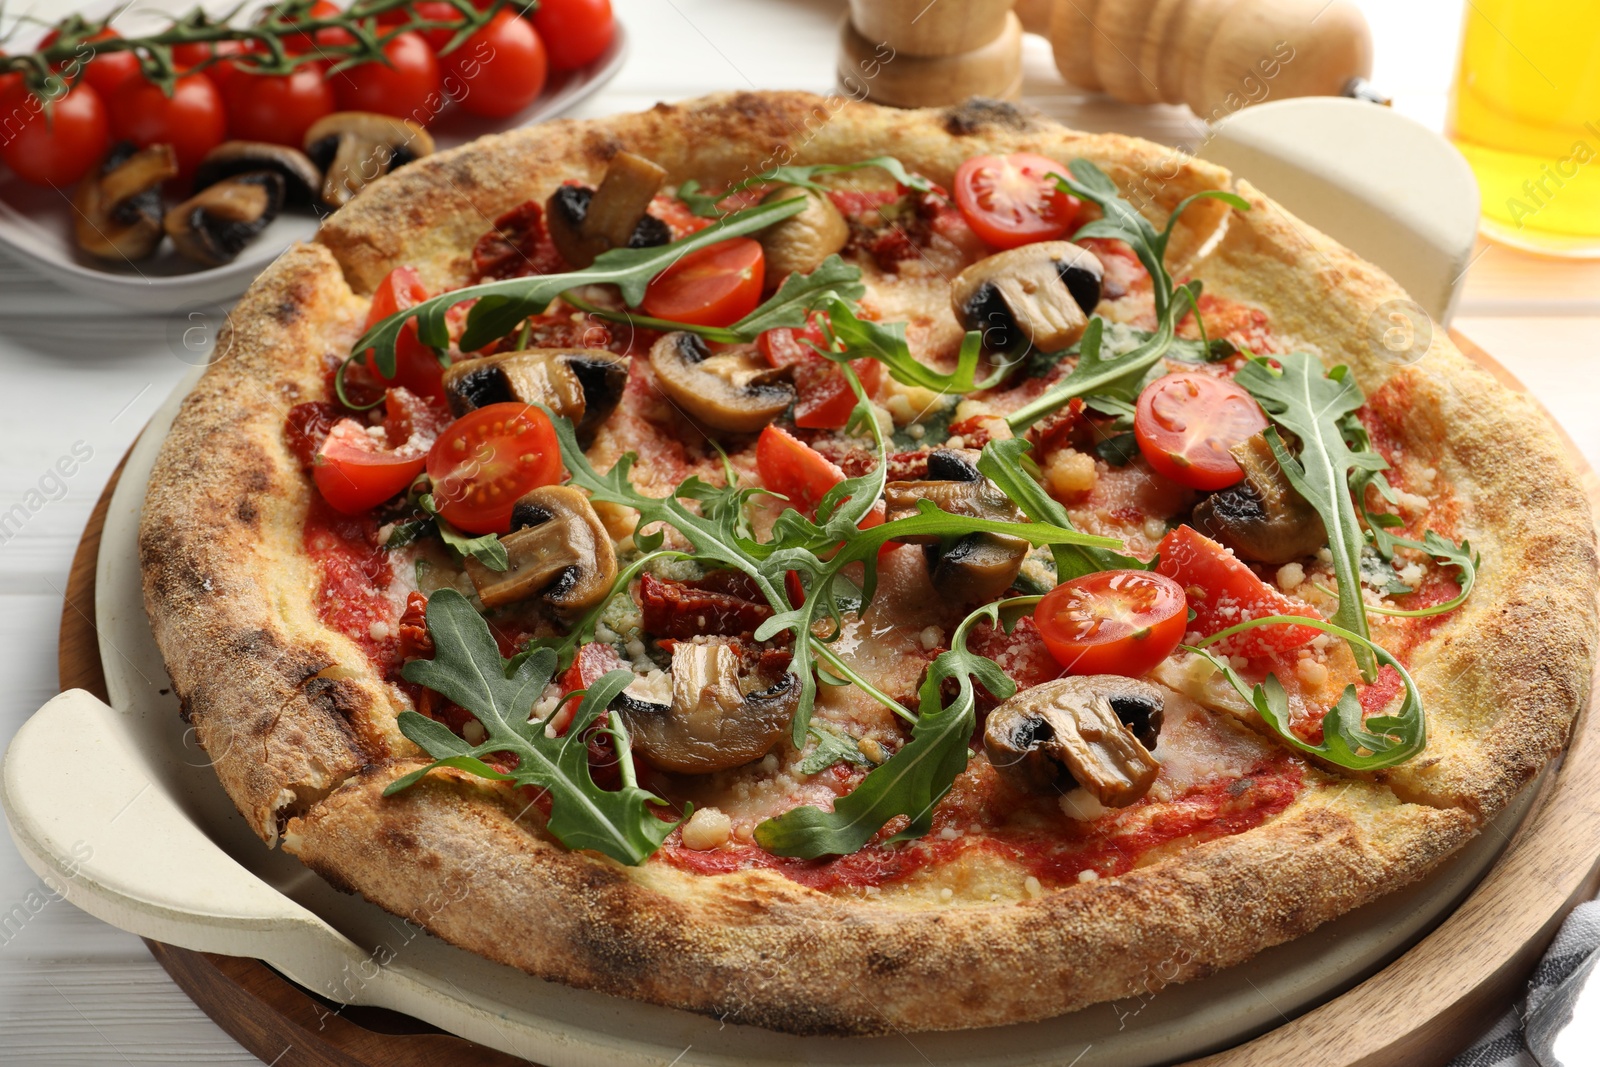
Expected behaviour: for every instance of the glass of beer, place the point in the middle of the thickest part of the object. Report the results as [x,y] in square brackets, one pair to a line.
[1526,114]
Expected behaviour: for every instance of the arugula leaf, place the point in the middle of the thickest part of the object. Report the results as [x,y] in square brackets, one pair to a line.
[502,305]
[705,204]
[833,746]
[1124,222]
[1118,449]
[1001,463]
[1446,553]
[850,338]
[404,533]
[1349,737]
[1120,377]
[917,777]
[1310,404]
[467,669]
[789,306]
[486,549]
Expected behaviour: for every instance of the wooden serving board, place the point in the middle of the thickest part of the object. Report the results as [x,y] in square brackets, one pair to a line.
[1418,1011]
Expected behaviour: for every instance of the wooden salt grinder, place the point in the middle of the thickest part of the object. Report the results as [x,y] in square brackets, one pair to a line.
[909,53]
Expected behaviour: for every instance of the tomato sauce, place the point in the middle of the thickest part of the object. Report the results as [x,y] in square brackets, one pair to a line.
[1111,845]
[353,593]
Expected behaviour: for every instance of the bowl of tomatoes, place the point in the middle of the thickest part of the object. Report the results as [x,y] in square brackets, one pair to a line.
[160,163]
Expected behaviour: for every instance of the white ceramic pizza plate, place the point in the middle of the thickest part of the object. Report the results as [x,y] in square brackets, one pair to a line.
[119,811]
[36,222]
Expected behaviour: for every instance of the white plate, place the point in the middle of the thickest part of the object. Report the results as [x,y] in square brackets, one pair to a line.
[36,222]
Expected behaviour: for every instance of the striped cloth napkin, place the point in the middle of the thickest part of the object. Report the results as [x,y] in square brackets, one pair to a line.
[1523,1037]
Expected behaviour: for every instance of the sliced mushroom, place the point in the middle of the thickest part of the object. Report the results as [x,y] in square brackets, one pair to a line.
[301,178]
[558,550]
[1038,295]
[212,226]
[585,222]
[719,718]
[119,206]
[1263,518]
[1093,730]
[356,148]
[801,242]
[979,566]
[737,390]
[582,384]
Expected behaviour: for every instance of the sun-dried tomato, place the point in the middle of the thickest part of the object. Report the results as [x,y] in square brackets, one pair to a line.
[683,610]
[518,245]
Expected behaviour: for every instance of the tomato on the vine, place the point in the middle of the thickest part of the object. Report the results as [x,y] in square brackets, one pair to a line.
[416,367]
[1112,622]
[191,120]
[299,43]
[575,31]
[277,107]
[1008,201]
[487,459]
[1186,422]
[60,149]
[106,71]
[497,71]
[405,85]
[224,70]
[716,286]
[432,11]
[1224,591]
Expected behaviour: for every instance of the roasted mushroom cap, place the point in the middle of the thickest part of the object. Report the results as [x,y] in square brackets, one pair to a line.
[1263,518]
[719,718]
[558,549]
[979,566]
[356,148]
[582,384]
[301,179]
[1094,731]
[584,223]
[119,206]
[1038,295]
[801,242]
[737,390]
[212,226]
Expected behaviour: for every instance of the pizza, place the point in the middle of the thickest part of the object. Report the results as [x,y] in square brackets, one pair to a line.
[846,570]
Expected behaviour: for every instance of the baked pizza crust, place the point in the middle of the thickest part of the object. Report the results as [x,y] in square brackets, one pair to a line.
[303,736]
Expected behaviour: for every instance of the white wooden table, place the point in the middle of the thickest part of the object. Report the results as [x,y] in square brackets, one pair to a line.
[74,991]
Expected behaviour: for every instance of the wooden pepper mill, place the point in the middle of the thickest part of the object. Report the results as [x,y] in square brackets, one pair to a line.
[910,53]
[1214,55]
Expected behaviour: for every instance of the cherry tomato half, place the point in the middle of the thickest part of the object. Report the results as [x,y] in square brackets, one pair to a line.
[497,71]
[487,459]
[1223,591]
[354,473]
[191,120]
[1186,422]
[716,286]
[406,85]
[1112,622]
[1008,201]
[789,466]
[575,31]
[57,150]
[416,366]
[277,107]
[824,399]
